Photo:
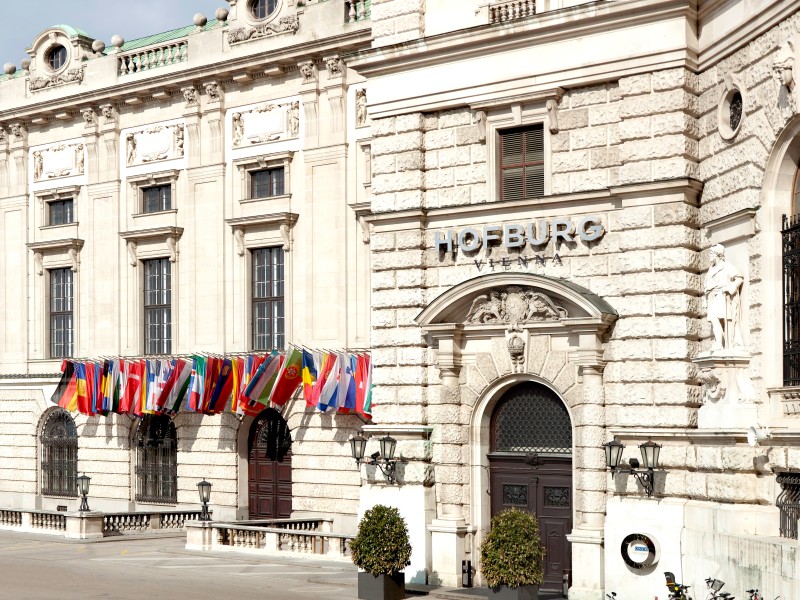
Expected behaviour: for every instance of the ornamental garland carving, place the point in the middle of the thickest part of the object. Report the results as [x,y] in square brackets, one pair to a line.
[70,76]
[514,306]
[64,160]
[283,25]
[153,144]
[266,123]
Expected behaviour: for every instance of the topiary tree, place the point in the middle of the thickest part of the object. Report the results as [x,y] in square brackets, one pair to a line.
[381,546]
[511,553]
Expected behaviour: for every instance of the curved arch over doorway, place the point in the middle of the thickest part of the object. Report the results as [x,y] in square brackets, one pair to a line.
[269,478]
[530,467]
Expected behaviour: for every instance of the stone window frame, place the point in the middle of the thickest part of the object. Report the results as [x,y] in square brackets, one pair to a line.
[250,17]
[45,197]
[48,57]
[730,87]
[138,183]
[249,165]
[492,116]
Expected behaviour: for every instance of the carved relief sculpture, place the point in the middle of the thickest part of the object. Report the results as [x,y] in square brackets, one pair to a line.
[238,236]
[38,165]
[294,119]
[155,143]
[79,159]
[89,116]
[70,76]
[17,131]
[723,288]
[214,92]
[238,128]
[38,258]
[334,66]
[179,140]
[516,350]
[783,65]
[132,252]
[265,123]
[108,113]
[308,71]
[552,115]
[514,306]
[361,107]
[480,121]
[130,144]
[190,95]
[288,24]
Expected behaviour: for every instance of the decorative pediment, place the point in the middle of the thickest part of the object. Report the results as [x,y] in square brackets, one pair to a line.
[62,160]
[154,143]
[514,306]
[161,238]
[268,122]
[281,222]
[70,248]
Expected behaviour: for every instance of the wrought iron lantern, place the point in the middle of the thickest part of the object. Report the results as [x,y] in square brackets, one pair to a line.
[83,490]
[383,459]
[650,454]
[204,488]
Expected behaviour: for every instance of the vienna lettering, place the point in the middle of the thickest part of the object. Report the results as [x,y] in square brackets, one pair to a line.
[514,235]
[505,263]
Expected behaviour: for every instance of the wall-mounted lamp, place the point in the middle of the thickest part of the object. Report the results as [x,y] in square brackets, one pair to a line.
[386,464]
[650,451]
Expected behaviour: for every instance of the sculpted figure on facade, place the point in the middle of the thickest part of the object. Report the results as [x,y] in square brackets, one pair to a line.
[307,71]
[334,66]
[108,113]
[783,65]
[190,95]
[38,165]
[179,140]
[514,305]
[294,119]
[79,159]
[361,107]
[88,116]
[17,131]
[214,92]
[723,288]
[238,128]
[130,144]
[284,24]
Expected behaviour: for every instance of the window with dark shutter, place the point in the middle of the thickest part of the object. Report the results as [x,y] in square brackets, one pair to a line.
[522,162]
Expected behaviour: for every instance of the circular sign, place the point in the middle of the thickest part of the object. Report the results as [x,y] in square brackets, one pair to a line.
[639,551]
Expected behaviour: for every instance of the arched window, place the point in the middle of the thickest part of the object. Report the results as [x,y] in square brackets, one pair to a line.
[791,289]
[59,455]
[156,460]
[531,419]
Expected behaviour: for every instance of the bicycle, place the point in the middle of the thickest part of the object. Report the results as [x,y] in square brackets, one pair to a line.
[754,595]
[714,587]
[677,591]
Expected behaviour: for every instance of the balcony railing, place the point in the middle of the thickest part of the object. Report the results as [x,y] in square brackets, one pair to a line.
[508,11]
[357,10]
[145,59]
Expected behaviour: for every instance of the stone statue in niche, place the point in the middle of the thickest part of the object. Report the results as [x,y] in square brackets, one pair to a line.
[361,107]
[723,300]
[131,148]
[294,119]
[514,306]
[38,165]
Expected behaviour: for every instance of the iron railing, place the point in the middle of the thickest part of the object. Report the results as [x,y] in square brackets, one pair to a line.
[59,455]
[788,503]
[156,461]
[791,300]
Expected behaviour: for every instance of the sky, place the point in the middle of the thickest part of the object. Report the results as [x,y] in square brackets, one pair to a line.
[101,19]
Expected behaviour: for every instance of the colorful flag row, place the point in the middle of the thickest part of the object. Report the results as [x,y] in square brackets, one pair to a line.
[204,384]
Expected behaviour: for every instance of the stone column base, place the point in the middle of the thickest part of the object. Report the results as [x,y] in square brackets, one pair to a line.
[588,570]
[447,550]
[199,535]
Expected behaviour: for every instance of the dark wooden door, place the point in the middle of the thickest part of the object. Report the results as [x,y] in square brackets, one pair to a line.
[530,468]
[544,489]
[270,467]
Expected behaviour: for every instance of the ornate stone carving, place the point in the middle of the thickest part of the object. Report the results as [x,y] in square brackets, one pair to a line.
[89,117]
[63,160]
[783,65]
[38,258]
[132,258]
[238,236]
[172,244]
[712,385]
[308,70]
[265,123]
[514,306]
[286,234]
[289,24]
[213,91]
[18,132]
[155,143]
[361,107]
[108,113]
[516,350]
[190,95]
[723,301]
[552,115]
[70,76]
[335,67]
[74,257]
[480,121]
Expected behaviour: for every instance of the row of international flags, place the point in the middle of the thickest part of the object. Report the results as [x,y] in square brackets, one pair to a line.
[331,380]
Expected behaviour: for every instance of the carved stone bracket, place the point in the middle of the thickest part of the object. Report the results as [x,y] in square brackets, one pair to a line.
[190,95]
[335,67]
[69,250]
[214,91]
[480,121]
[89,117]
[552,115]
[109,113]
[277,223]
[132,258]
[168,236]
[308,70]
[363,211]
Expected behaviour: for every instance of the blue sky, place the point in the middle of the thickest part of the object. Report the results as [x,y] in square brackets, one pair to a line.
[99,18]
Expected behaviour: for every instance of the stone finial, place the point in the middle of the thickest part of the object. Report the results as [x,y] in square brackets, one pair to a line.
[199,20]
[98,46]
[9,68]
[25,64]
[118,41]
[222,14]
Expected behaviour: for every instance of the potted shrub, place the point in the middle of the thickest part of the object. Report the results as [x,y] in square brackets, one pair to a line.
[382,550]
[512,556]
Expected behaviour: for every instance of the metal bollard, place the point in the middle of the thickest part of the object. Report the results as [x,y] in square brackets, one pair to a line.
[466,573]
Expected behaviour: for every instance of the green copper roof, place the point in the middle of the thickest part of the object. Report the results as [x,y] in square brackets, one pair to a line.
[71,31]
[160,38]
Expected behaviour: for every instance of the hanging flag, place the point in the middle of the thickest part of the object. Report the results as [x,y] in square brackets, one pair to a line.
[65,393]
[289,378]
[268,380]
[329,391]
[309,377]
[366,408]
[222,387]
[133,383]
[197,385]
[181,387]
[81,390]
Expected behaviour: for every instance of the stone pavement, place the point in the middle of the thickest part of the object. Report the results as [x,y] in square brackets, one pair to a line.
[35,567]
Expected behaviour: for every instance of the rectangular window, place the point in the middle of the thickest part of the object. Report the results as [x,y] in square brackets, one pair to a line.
[522,162]
[59,212]
[61,323]
[157,306]
[266,183]
[268,311]
[157,198]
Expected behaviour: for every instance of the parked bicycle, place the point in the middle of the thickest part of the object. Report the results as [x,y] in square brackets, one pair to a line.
[714,593]
[677,591]
[755,595]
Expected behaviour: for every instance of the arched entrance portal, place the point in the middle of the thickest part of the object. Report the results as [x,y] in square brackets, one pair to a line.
[270,467]
[530,467]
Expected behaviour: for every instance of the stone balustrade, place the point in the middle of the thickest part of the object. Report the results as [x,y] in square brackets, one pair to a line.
[508,11]
[357,10]
[153,57]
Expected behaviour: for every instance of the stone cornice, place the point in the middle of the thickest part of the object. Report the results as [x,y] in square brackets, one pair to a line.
[59,245]
[154,233]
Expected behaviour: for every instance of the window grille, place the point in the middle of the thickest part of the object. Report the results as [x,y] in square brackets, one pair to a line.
[61,317]
[156,460]
[59,440]
[157,198]
[531,418]
[522,162]
[268,300]
[788,503]
[266,183]
[791,300]
[157,306]
[59,212]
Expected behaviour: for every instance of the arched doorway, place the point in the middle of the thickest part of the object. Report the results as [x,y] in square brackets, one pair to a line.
[530,468]
[269,476]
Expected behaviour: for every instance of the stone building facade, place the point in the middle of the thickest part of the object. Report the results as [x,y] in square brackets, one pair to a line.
[512,205]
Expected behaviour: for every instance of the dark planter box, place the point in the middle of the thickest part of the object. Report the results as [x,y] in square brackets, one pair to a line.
[381,587]
[523,592]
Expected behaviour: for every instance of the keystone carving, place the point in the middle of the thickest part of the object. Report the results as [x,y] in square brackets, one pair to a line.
[514,306]
[516,349]
[282,25]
